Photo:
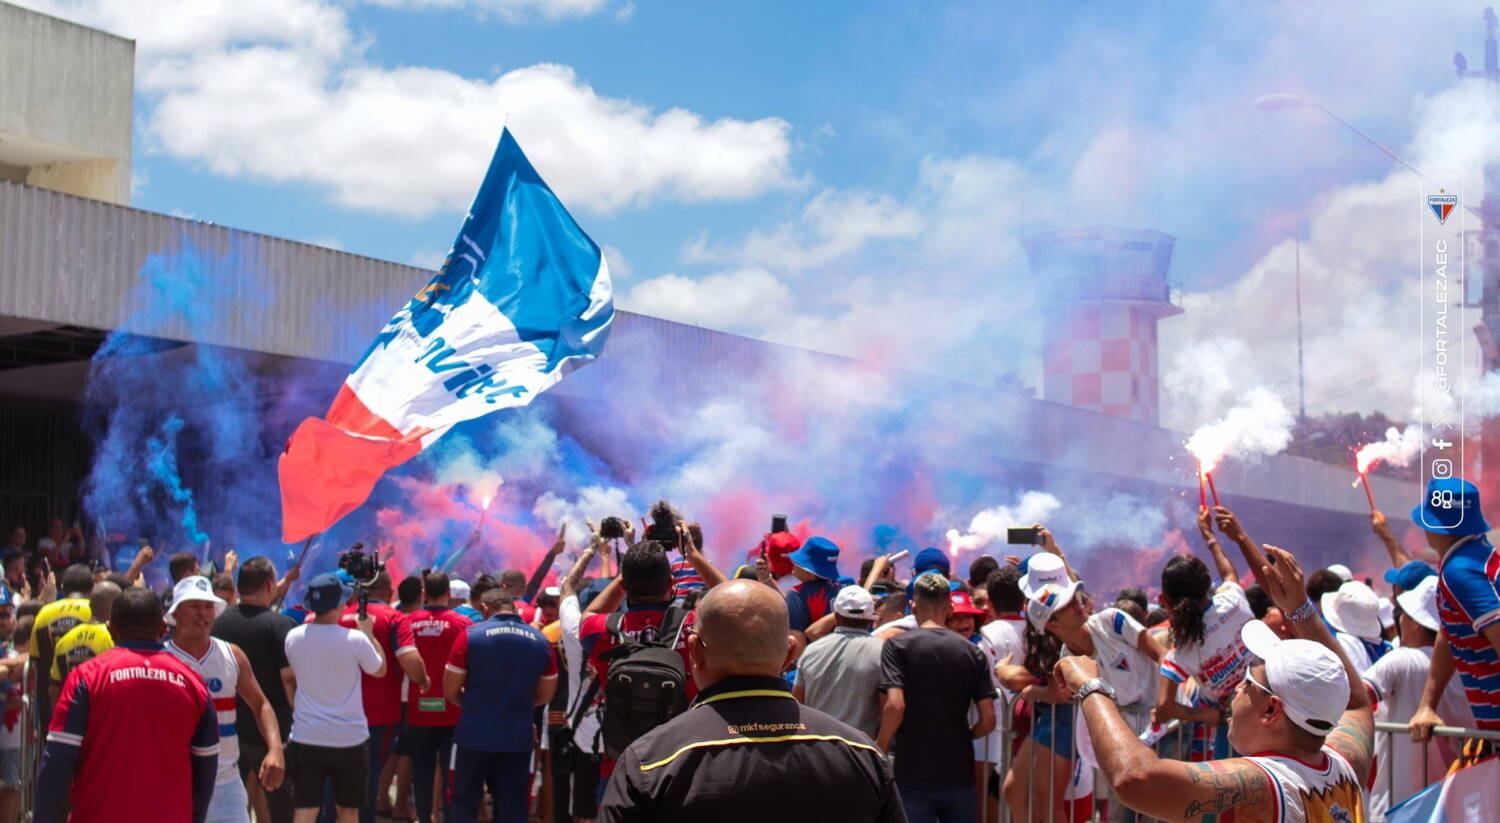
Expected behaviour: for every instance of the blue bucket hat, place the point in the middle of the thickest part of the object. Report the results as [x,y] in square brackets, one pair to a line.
[1409,575]
[1456,511]
[818,555]
[911,585]
[930,559]
[326,593]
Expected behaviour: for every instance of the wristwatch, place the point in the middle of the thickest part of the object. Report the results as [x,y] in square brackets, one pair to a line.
[1098,685]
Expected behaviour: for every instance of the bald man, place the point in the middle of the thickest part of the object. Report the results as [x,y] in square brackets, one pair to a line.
[747,750]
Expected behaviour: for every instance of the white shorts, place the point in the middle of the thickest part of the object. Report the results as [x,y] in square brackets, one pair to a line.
[229,804]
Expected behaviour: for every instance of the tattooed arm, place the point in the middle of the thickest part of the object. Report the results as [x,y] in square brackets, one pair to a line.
[1166,789]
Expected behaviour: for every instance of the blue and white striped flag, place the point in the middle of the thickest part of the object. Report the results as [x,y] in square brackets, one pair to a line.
[523,299]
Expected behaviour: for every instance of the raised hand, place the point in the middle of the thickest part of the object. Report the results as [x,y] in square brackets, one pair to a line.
[1283,579]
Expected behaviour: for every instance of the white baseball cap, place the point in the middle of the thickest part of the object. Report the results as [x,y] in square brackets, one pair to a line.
[854,602]
[1306,676]
[1043,604]
[458,588]
[1342,571]
[1042,568]
[1420,604]
[1353,609]
[195,587]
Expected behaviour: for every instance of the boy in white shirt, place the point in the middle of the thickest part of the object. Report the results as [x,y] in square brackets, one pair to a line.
[1398,679]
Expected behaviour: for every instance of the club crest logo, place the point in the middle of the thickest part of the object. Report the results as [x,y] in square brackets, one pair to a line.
[1442,205]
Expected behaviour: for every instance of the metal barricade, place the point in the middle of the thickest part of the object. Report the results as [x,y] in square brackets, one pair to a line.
[1395,731]
[1173,741]
[31,740]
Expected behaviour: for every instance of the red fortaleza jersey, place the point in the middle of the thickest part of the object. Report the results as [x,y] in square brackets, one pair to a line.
[382,695]
[139,715]
[435,629]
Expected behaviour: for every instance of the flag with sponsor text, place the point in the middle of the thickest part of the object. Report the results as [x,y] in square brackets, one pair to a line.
[523,299]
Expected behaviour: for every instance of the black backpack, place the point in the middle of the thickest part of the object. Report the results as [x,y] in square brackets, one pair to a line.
[646,685]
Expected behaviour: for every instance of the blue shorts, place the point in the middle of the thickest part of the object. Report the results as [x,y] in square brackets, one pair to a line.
[1052,727]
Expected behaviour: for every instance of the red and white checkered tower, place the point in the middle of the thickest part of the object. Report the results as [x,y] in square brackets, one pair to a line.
[1102,292]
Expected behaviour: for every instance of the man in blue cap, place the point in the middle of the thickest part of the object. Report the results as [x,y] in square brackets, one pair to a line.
[1468,604]
[328,716]
[816,565]
[1405,573]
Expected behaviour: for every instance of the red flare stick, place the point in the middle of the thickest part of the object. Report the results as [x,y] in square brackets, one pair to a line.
[1369,495]
[1212,490]
[1202,492]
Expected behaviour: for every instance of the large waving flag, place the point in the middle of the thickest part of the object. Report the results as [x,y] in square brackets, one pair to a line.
[523,299]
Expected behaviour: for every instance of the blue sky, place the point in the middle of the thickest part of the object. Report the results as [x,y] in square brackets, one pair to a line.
[885,159]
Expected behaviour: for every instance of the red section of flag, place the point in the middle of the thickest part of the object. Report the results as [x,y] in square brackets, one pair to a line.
[327,472]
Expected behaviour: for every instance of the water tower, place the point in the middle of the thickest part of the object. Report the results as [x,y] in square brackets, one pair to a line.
[1102,292]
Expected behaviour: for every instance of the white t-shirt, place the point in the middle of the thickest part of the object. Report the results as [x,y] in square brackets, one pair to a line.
[1006,636]
[1121,663]
[1398,679]
[1218,663]
[586,737]
[328,709]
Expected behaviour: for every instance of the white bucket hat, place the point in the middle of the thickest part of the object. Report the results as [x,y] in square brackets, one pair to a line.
[1353,609]
[1420,604]
[196,587]
[1042,568]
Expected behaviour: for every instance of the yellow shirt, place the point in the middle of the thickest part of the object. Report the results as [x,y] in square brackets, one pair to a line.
[82,643]
[52,622]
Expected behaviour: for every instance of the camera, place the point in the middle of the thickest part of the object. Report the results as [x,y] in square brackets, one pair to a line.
[611,528]
[663,528]
[363,569]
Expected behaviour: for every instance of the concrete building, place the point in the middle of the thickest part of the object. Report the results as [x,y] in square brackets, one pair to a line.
[65,106]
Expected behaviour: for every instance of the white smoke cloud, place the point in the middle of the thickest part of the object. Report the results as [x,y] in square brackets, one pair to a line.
[1120,518]
[1258,426]
[990,525]
[1397,449]
[593,504]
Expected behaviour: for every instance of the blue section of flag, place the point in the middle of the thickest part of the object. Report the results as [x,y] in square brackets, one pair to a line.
[522,251]
[1419,808]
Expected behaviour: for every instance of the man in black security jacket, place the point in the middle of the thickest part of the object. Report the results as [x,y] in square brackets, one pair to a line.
[747,750]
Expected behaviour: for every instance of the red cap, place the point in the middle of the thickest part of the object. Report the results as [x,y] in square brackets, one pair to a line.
[962,605]
[778,546]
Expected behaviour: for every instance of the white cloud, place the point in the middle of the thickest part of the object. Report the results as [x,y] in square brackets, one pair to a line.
[427,258]
[831,225]
[745,299]
[511,9]
[973,207]
[176,27]
[620,269]
[281,91]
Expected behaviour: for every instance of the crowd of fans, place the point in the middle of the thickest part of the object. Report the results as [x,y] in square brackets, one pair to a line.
[789,688]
